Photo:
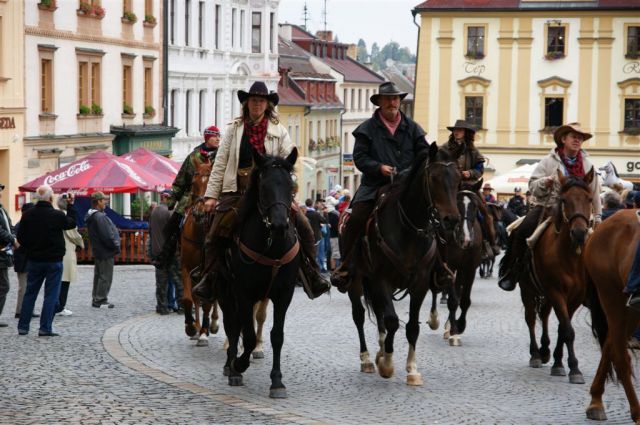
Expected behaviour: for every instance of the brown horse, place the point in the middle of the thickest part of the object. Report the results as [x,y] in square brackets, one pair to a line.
[608,259]
[556,278]
[192,254]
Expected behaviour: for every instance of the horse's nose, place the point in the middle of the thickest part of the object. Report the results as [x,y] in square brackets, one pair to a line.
[578,236]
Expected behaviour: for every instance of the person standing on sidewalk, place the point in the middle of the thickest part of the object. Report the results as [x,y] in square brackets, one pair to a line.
[157,222]
[20,266]
[41,233]
[7,244]
[72,241]
[105,245]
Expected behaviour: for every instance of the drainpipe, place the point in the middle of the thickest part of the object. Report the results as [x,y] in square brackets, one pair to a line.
[165,62]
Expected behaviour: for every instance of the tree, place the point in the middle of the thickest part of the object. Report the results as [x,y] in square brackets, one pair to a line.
[362,54]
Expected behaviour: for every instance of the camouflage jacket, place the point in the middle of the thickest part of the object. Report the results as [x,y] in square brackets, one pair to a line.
[181,188]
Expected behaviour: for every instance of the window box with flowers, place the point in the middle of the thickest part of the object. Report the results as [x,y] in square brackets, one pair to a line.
[49,5]
[129,18]
[551,56]
[90,11]
[312,145]
[127,111]
[322,145]
[149,21]
[93,111]
[149,111]
[333,142]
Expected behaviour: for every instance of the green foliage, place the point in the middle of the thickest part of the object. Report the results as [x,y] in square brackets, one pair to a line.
[84,110]
[135,208]
[127,109]
[379,57]
[150,19]
[96,109]
[130,16]
[149,110]
[362,54]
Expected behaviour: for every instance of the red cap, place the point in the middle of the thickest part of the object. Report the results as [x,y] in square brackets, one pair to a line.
[211,131]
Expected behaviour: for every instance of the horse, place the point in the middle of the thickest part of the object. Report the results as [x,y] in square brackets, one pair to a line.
[412,217]
[500,223]
[464,258]
[608,257]
[191,256]
[262,262]
[556,274]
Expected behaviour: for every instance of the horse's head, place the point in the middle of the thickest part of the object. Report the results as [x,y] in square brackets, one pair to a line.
[441,181]
[200,178]
[272,179]
[574,206]
[468,202]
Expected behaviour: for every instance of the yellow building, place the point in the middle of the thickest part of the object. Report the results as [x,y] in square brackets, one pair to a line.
[292,118]
[517,69]
[12,107]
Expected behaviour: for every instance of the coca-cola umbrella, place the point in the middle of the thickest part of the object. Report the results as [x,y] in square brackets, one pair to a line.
[99,172]
[154,162]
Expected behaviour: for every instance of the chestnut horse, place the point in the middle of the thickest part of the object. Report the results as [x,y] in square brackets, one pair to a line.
[192,255]
[411,218]
[556,275]
[608,258]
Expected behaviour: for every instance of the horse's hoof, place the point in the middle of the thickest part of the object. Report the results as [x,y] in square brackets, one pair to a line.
[278,393]
[596,414]
[434,325]
[367,367]
[203,341]
[414,379]
[258,354]
[190,330]
[558,371]
[535,363]
[576,378]
[454,341]
[214,329]
[235,381]
[446,335]
[226,371]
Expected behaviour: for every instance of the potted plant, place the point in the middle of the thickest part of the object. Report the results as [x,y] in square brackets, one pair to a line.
[98,12]
[47,5]
[84,8]
[129,17]
[312,144]
[84,110]
[474,55]
[150,19]
[96,109]
[149,111]
[127,109]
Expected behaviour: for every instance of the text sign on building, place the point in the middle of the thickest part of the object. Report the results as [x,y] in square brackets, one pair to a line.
[7,123]
[632,166]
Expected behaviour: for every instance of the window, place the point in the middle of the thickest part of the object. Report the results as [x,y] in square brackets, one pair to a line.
[202,103]
[172,22]
[359,99]
[353,99]
[89,80]
[633,42]
[553,112]
[475,42]
[187,109]
[200,22]
[256,26]
[273,33]
[126,6]
[556,41]
[631,114]
[216,27]
[127,97]
[233,27]
[310,130]
[172,107]
[473,110]
[187,22]
[148,8]
[46,103]
[366,100]
[148,87]
[242,29]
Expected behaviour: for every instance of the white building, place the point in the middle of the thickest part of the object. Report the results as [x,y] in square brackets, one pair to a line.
[216,47]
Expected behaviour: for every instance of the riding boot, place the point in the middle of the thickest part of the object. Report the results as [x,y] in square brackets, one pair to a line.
[171,235]
[444,276]
[214,252]
[491,233]
[313,282]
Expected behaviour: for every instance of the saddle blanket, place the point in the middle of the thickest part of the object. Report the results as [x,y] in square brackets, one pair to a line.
[533,239]
[513,226]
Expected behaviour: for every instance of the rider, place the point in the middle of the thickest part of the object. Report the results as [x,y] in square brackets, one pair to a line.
[385,144]
[470,162]
[258,129]
[567,157]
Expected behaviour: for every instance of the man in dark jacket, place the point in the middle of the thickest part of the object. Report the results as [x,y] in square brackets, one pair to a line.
[105,245]
[516,203]
[41,234]
[386,143]
[8,243]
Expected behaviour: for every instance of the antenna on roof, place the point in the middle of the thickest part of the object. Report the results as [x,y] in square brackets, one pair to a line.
[305,15]
[324,13]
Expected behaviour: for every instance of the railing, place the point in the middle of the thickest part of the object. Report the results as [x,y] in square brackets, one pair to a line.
[133,248]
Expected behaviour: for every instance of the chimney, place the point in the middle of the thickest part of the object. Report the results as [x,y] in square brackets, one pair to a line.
[285,31]
[352,51]
[325,35]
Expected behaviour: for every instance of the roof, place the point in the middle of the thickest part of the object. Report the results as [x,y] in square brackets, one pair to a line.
[402,82]
[522,5]
[353,71]
[291,95]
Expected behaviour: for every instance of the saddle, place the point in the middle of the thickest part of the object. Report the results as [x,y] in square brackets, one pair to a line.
[226,214]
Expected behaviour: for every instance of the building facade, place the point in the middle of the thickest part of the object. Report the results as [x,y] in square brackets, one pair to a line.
[518,69]
[216,47]
[12,102]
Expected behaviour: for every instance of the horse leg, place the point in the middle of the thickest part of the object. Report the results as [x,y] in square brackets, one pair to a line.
[357,314]
[575,375]
[245,319]
[545,342]
[232,329]
[451,333]
[203,338]
[596,411]
[557,369]
[530,317]
[465,299]
[412,330]
[215,317]
[433,321]
[187,305]
[622,364]
[260,314]
[391,324]
[280,306]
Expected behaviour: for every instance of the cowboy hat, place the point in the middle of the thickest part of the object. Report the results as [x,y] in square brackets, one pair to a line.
[487,186]
[567,128]
[259,89]
[462,124]
[387,89]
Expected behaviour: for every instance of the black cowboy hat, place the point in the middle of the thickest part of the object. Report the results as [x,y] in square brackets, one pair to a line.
[259,89]
[387,89]
[463,125]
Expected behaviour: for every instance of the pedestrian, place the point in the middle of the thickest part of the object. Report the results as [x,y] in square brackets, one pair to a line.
[159,218]
[42,234]
[317,220]
[333,218]
[487,195]
[175,289]
[20,266]
[72,241]
[257,131]
[345,202]
[181,189]
[517,203]
[8,243]
[105,245]
[611,203]
[569,158]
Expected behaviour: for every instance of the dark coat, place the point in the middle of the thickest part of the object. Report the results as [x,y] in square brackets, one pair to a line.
[41,232]
[316,220]
[467,158]
[103,234]
[517,206]
[20,256]
[375,146]
[7,237]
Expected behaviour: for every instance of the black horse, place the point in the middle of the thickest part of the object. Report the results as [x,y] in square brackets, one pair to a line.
[502,217]
[263,263]
[412,217]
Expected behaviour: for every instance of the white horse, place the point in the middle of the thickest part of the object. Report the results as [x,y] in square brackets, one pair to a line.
[612,179]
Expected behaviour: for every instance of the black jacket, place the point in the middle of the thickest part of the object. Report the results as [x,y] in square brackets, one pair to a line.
[7,237]
[316,220]
[41,231]
[375,146]
[103,235]
[517,206]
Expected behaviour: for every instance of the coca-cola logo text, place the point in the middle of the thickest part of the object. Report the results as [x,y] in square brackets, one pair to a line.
[69,172]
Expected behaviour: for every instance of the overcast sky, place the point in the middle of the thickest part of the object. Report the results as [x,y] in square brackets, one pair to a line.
[379,21]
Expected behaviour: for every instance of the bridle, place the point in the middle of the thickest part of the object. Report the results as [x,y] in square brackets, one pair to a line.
[264,210]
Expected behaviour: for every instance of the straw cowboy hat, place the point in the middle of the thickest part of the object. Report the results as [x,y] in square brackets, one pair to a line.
[259,89]
[564,129]
[387,89]
[462,124]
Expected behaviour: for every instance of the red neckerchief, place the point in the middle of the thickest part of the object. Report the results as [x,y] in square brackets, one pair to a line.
[577,167]
[256,134]
[392,126]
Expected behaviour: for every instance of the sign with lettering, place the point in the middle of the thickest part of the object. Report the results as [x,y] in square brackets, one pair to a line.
[633,166]
[69,172]
[473,68]
[631,68]
[7,123]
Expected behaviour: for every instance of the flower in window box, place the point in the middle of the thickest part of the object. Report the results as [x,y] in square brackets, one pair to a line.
[312,144]
[47,5]
[150,19]
[84,110]
[130,17]
[554,55]
[149,111]
[98,12]
[85,8]
[96,109]
[127,109]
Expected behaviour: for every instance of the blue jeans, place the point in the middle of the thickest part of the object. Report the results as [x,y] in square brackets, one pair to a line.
[633,282]
[321,255]
[171,295]
[37,273]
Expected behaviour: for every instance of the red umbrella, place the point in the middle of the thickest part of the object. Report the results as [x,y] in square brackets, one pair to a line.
[153,162]
[100,171]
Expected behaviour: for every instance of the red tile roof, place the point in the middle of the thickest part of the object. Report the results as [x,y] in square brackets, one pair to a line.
[291,95]
[479,5]
[353,71]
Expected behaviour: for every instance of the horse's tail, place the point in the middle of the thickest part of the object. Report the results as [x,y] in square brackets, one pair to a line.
[599,324]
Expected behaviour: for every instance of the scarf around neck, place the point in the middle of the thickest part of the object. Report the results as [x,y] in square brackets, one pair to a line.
[256,134]
[574,166]
[392,126]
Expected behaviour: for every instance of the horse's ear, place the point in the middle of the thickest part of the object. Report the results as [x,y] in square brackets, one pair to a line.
[258,158]
[293,156]
[433,151]
[589,177]
[477,185]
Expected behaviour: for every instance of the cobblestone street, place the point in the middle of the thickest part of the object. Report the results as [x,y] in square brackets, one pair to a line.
[129,365]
